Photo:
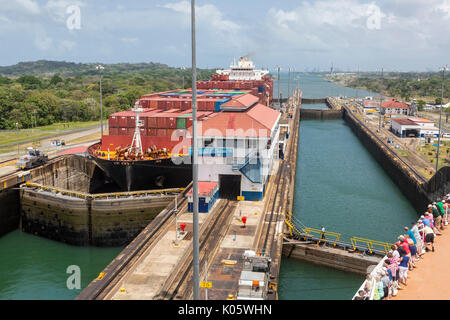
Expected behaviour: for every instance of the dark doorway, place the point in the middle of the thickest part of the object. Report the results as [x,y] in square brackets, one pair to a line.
[229,186]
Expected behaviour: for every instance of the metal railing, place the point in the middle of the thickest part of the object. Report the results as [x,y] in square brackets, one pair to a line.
[297,228]
[84,195]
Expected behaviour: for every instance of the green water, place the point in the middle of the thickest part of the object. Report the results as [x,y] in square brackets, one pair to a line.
[35,268]
[339,185]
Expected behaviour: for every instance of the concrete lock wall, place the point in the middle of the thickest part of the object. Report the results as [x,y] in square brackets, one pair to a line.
[415,192]
[318,114]
[330,257]
[9,212]
[73,173]
[83,219]
[89,221]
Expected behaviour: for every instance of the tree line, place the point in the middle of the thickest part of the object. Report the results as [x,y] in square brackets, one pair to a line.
[31,100]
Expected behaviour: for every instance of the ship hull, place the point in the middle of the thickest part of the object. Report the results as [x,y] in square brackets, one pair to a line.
[146,174]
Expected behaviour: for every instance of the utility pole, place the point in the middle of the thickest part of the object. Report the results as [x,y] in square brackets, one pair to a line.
[100,68]
[278,82]
[440,117]
[379,119]
[195,241]
[175,213]
[289,83]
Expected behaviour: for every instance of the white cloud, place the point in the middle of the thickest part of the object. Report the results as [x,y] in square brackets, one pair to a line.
[129,40]
[21,6]
[206,13]
[56,9]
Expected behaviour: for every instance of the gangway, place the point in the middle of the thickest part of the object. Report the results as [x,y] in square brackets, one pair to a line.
[298,231]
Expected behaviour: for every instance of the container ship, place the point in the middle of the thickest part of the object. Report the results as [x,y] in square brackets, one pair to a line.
[148,146]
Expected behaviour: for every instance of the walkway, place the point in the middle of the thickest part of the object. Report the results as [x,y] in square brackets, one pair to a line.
[430,279]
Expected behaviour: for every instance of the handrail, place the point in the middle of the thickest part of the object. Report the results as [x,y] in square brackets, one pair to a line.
[325,233]
[371,244]
[84,195]
[357,243]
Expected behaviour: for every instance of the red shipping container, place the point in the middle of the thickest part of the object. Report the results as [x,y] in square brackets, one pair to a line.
[170,104]
[130,131]
[161,122]
[113,121]
[152,132]
[122,131]
[143,131]
[113,131]
[162,104]
[131,121]
[161,132]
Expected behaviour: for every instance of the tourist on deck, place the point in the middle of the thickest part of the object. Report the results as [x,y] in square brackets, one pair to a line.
[403,268]
[361,295]
[394,256]
[391,268]
[368,285]
[429,238]
[404,244]
[419,243]
[440,206]
[379,291]
[412,248]
[386,282]
[436,218]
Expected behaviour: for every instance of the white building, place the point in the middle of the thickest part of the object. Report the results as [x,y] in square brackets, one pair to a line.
[239,150]
[414,127]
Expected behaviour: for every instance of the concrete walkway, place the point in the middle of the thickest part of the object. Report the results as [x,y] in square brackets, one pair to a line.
[430,279]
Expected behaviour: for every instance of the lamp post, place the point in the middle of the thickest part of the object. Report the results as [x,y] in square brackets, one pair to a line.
[195,240]
[18,145]
[440,117]
[100,69]
[175,213]
[279,93]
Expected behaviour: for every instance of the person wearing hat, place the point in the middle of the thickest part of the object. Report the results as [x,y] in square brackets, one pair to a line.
[440,220]
[386,281]
[419,243]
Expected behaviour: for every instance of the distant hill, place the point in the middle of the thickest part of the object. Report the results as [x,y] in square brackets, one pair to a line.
[45,68]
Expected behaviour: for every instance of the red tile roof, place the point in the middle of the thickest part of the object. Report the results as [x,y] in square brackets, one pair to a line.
[420,120]
[204,188]
[244,101]
[257,122]
[394,104]
[405,122]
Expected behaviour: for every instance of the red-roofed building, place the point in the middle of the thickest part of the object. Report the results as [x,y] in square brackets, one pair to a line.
[395,107]
[208,193]
[414,127]
[238,150]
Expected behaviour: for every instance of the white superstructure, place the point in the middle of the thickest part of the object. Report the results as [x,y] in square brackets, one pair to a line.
[243,70]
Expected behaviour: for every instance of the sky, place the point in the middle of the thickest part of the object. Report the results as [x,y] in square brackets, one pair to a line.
[306,35]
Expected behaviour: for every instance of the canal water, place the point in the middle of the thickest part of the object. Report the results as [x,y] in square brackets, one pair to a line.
[340,186]
[35,268]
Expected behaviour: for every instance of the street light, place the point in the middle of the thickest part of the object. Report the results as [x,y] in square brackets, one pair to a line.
[440,116]
[279,93]
[100,69]
[195,240]
[182,73]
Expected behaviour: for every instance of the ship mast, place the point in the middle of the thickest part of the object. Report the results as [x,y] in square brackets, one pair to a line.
[136,144]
